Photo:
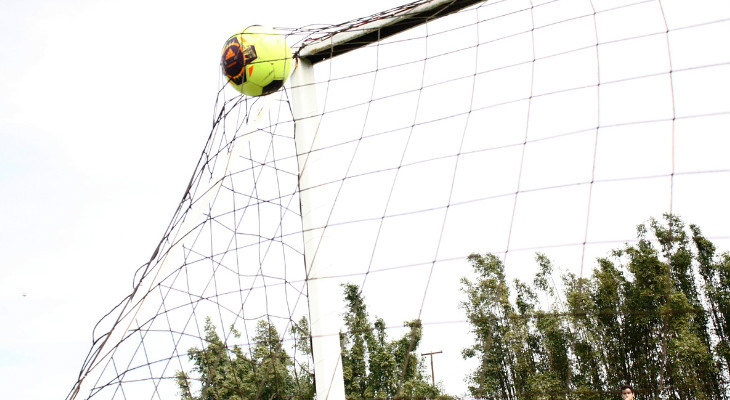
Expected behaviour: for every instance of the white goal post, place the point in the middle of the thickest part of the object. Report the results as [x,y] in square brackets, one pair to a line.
[323,316]
[380,26]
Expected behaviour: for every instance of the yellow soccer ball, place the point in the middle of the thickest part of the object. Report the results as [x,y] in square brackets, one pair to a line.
[256,61]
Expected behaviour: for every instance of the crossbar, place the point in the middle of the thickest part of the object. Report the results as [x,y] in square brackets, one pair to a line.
[380,26]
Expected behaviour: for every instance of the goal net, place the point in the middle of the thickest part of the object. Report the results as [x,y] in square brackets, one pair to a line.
[507,128]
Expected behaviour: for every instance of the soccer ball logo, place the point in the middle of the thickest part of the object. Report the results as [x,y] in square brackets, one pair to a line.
[256,61]
[235,59]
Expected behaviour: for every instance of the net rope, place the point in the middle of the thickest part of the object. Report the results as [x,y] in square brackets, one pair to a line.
[510,128]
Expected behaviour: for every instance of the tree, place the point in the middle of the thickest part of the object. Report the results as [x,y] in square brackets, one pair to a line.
[272,365]
[303,375]
[490,312]
[223,374]
[644,316]
[715,273]
[375,367]
[229,374]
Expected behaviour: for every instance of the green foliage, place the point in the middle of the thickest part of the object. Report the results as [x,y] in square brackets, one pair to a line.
[375,367]
[488,309]
[654,313]
[229,374]
[303,375]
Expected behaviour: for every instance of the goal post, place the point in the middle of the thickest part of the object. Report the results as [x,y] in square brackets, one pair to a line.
[380,26]
[324,318]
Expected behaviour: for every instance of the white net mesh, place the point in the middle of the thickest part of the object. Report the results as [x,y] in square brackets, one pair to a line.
[511,127]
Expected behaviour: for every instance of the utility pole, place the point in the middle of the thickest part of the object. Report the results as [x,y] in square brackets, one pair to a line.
[433,377]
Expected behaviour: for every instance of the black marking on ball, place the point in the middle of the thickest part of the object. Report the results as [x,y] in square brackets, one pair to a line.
[273,86]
